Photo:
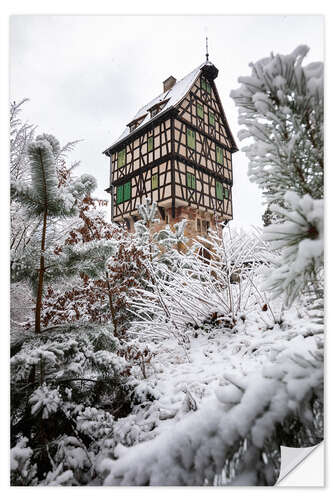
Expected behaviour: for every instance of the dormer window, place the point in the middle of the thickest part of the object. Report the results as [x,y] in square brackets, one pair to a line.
[136,122]
[154,110]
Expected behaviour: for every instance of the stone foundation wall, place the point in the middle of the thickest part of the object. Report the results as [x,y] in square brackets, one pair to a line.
[198,221]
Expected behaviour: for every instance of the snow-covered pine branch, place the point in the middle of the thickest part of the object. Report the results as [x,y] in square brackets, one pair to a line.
[281,108]
[300,241]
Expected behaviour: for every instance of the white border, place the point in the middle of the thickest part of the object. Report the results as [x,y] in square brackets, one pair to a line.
[130,7]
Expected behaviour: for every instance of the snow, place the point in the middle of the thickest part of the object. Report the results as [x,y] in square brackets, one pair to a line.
[223,352]
[215,386]
[174,96]
[236,390]
[225,365]
[301,240]
[46,400]
[281,110]
[20,461]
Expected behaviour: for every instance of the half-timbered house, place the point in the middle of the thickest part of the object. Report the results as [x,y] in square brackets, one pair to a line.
[177,151]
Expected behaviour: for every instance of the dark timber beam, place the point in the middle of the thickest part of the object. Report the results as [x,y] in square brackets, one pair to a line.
[173,187]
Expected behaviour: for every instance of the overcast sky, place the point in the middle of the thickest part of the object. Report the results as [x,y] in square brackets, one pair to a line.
[86,76]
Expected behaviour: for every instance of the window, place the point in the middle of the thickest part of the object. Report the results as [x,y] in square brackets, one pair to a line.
[219,190]
[205,85]
[190,138]
[122,158]
[150,143]
[127,191]
[154,110]
[123,192]
[120,194]
[226,193]
[199,225]
[200,111]
[219,155]
[154,181]
[190,181]
[211,118]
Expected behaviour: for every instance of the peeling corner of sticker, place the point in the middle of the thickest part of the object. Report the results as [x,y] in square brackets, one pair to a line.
[291,458]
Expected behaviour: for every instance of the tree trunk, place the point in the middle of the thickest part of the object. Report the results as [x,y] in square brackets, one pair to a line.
[40,277]
[113,313]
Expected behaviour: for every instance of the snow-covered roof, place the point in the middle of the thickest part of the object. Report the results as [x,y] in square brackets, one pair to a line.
[173,97]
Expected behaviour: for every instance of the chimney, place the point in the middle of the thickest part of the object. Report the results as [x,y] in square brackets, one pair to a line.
[169,83]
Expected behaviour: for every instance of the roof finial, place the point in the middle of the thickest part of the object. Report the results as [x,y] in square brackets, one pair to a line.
[207,55]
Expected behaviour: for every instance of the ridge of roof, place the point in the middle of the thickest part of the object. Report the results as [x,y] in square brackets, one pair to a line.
[173,96]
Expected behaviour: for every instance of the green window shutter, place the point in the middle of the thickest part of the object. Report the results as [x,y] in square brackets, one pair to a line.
[219,191]
[226,193]
[127,191]
[189,179]
[150,143]
[211,118]
[190,138]
[206,85]
[219,155]
[122,158]
[200,111]
[154,181]
[120,194]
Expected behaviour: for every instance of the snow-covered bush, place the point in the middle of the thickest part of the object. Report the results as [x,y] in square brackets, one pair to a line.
[66,390]
[205,291]
[235,434]
[160,247]
[22,471]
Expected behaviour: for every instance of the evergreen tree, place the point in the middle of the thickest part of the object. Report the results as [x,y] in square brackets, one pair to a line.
[21,135]
[43,197]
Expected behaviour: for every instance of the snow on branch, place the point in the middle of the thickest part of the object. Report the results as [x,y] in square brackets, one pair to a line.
[281,108]
[196,449]
[300,239]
